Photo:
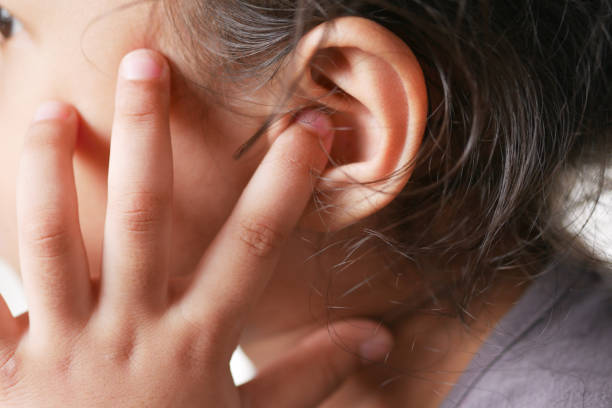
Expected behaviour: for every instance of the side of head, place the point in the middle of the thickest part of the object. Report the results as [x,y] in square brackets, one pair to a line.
[456,123]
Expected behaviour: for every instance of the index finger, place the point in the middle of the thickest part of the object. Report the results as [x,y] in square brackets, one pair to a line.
[238,264]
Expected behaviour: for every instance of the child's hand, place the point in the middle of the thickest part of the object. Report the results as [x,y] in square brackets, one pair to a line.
[129,344]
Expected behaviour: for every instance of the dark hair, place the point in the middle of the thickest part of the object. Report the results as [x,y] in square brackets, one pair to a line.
[521,99]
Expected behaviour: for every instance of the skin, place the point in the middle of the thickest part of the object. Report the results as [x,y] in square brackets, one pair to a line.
[132,340]
[58,57]
[162,211]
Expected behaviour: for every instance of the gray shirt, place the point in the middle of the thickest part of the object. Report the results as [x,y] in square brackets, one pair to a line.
[552,349]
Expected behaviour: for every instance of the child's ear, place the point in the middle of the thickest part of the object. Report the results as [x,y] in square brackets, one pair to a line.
[374,85]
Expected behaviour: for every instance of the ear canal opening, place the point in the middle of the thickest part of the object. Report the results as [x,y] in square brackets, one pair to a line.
[319,78]
[329,90]
[328,60]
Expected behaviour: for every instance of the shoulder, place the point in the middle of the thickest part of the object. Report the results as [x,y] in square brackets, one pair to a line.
[553,353]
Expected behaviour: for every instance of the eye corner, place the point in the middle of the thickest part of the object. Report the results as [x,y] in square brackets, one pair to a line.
[9,25]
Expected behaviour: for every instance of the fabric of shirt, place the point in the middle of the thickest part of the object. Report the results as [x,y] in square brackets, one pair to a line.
[553,349]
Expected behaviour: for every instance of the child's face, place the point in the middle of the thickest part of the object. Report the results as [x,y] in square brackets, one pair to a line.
[69,50]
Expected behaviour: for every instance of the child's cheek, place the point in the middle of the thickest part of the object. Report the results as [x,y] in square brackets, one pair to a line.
[112,34]
[76,65]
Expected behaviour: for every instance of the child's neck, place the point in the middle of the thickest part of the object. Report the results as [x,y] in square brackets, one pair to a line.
[431,351]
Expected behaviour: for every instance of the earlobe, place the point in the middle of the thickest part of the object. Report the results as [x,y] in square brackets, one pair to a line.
[374,86]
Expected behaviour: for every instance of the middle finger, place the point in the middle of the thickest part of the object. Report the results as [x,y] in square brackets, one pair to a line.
[138,220]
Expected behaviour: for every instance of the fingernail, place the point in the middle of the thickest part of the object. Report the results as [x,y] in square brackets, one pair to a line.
[141,65]
[52,110]
[320,123]
[376,349]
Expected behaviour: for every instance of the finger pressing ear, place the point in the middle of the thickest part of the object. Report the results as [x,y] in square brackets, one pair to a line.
[238,264]
[323,361]
[374,84]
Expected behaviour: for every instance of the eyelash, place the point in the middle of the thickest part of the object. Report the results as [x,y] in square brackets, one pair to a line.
[9,25]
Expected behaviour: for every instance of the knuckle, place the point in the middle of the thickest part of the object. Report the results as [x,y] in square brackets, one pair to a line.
[138,221]
[194,322]
[122,352]
[139,103]
[141,212]
[295,164]
[9,373]
[196,341]
[118,346]
[191,352]
[140,117]
[47,235]
[62,365]
[261,238]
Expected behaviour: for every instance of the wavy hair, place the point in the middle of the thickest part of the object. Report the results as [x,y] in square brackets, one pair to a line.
[521,100]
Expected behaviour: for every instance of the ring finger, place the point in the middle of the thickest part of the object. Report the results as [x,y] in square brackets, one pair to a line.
[52,256]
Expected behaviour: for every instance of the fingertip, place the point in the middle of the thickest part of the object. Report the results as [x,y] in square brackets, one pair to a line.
[370,341]
[321,124]
[377,348]
[53,110]
[143,65]
[54,126]
[143,91]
